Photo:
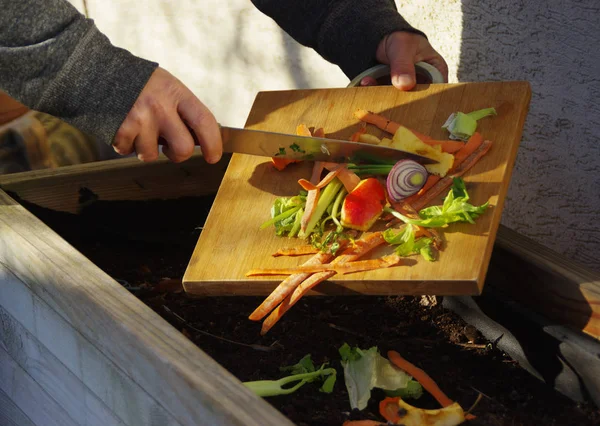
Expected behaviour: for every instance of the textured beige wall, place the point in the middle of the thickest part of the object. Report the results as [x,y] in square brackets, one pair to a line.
[554,195]
[228,51]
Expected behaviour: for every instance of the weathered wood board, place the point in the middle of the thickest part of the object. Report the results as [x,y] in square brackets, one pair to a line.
[76,348]
[231,243]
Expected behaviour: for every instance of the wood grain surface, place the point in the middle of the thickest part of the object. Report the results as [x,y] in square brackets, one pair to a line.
[118,179]
[79,319]
[231,243]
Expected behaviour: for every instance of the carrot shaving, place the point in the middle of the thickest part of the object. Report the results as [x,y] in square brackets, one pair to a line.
[447,146]
[316,172]
[465,152]
[420,376]
[306,185]
[446,182]
[286,287]
[472,144]
[356,135]
[330,176]
[340,268]
[282,163]
[388,408]
[360,248]
[377,120]
[431,180]
[348,178]
[383,123]
[296,251]
[319,133]
[330,166]
[309,208]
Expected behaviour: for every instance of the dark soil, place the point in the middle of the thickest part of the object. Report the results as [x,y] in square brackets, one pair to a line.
[142,243]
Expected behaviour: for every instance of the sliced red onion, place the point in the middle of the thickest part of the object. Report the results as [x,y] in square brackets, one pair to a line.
[406,178]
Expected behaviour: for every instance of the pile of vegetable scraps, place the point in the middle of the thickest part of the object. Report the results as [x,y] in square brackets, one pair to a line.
[365,370]
[335,210]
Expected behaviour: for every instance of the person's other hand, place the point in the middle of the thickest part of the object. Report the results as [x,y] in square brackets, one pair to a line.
[401,51]
[167,109]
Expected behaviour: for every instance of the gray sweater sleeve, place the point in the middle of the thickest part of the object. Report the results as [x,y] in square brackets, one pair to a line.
[54,60]
[344,32]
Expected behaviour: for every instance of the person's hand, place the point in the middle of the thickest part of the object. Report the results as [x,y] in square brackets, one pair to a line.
[401,51]
[167,109]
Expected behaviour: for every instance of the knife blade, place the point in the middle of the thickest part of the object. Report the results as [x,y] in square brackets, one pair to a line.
[305,148]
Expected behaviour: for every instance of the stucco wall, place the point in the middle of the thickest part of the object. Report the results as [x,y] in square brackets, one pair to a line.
[227,51]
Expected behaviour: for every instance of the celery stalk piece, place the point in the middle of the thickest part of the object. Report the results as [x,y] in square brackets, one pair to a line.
[276,387]
[482,113]
[297,222]
[302,372]
[281,216]
[462,126]
[326,197]
[336,208]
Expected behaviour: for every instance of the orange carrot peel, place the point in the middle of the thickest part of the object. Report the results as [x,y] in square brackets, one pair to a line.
[341,268]
[282,163]
[360,248]
[424,379]
[383,123]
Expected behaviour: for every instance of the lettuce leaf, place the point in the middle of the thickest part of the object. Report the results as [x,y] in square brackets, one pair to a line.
[456,208]
[407,244]
[367,369]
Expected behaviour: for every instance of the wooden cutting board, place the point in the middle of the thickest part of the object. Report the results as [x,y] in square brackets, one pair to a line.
[231,242]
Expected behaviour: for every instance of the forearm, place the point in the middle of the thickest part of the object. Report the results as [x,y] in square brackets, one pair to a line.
[56,61]
[344,32]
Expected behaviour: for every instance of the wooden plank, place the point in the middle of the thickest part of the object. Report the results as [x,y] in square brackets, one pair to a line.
[233,243]
[10,414]
[546,282]
[103,378]
[52,375]
[118,179]
[29,396]
[190,385]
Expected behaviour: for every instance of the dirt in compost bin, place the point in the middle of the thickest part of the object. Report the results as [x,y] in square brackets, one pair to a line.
[141,243]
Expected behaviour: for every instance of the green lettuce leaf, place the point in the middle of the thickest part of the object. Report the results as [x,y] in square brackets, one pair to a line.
[407,244]
[367,369]
[456,208]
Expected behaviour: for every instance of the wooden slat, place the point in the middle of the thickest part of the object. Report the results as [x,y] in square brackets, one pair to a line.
[546,282]
[191,386]
[233,243]
[29,396]
[52,375]
[59,340]
[118,179]
[10,414]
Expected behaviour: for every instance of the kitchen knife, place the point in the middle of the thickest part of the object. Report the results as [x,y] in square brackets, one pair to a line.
[272,144]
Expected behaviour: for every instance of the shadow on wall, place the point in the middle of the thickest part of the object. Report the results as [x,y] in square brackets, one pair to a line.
[554,196]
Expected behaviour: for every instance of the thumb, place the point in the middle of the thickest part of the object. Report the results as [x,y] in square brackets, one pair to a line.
[402,72]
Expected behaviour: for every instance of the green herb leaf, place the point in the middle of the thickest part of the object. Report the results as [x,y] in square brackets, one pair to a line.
[296,148]
[328,384]
[305,365]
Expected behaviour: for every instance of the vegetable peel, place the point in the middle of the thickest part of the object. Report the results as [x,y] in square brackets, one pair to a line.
[461,126]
